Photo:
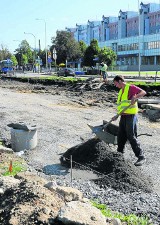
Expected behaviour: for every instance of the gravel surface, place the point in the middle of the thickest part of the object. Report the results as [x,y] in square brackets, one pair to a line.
[61,118]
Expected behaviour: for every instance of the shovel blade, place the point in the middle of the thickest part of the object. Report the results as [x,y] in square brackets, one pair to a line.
[99,128]
[96,129]
[103,135]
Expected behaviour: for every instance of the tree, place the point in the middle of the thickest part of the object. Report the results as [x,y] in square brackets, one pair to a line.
[24,59]
[107,55]
[66,46]
[83,48]
[42,55]
[4,53]
[14,60]
[91,53]
[25,49]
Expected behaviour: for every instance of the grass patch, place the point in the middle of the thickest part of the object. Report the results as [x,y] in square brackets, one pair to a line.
[54,78]
[144,83]
[16,168]
[131,219]
[11,164]
[136,73]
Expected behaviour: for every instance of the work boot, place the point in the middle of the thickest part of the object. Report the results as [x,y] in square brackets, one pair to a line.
[141,160]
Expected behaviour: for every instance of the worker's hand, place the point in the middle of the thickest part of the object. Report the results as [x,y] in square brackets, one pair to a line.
[133,100]
[115,117]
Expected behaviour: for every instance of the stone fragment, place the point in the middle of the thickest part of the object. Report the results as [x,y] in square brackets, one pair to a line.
[68,193]
[78,213]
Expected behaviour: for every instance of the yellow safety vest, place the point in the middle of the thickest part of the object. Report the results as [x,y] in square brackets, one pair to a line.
[123,102]
[104,68]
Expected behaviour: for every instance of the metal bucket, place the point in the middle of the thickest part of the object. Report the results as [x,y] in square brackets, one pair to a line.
[23,140]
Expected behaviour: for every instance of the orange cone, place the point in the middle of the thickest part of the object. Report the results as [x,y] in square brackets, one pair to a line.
[10,167]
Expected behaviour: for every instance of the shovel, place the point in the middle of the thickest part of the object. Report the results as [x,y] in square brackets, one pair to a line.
[101,128]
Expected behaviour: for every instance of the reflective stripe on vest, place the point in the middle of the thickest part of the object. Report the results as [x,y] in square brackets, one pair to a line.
[123,102]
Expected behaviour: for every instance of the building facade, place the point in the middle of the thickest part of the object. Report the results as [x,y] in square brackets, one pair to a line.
[134,36]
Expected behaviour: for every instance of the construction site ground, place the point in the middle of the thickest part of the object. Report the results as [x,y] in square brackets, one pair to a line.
[61,112]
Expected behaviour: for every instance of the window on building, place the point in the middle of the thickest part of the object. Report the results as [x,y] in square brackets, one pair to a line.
[151,60]
[144,61]
[158,60]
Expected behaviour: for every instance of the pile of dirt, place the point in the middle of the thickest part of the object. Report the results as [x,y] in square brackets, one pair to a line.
[29,202]
[111,167]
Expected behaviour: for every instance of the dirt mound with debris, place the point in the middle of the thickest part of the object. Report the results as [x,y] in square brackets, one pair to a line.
[111,167]
[29,202]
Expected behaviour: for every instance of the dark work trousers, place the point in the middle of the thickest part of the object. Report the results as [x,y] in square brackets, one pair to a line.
[128,131]
[104,74]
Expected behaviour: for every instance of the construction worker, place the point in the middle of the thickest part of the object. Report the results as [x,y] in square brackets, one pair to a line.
[103,70]
[128,94]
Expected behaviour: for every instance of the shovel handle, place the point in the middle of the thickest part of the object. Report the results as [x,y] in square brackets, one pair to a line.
[104,126]
[123,110]
[118,114]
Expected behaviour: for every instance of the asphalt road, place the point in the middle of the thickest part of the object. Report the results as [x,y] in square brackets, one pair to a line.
[133,77]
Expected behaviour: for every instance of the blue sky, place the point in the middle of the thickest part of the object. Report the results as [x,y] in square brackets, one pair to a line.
[19,16]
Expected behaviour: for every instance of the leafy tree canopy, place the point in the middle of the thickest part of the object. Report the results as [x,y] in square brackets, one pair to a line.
[91,53]
[42,55]
[107,55]
[24,59]
[4,53]
[94,54]
[83,47]
[14,60]
[66,46]
[25,49]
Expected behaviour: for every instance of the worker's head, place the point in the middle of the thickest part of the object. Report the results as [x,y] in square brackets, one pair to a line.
[118,81]
[102,64]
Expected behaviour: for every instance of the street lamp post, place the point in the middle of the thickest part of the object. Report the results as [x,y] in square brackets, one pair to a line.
[45,30]
[139,32]
[34,44]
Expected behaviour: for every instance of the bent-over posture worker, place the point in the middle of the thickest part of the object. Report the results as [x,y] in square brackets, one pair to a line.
[128,94]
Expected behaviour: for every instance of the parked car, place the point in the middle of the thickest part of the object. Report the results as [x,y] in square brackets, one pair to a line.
[66,72]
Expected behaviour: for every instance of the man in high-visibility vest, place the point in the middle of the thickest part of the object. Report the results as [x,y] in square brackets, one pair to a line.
[128,95]
[103,70]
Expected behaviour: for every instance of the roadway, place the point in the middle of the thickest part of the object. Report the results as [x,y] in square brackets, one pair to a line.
[133,77]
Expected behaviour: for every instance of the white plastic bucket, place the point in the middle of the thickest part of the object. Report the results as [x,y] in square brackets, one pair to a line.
[23,140]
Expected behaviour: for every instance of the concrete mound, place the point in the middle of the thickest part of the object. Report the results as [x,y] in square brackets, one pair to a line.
[113,171]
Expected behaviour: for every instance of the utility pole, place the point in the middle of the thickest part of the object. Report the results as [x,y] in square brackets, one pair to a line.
[139,32]
[45,31]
